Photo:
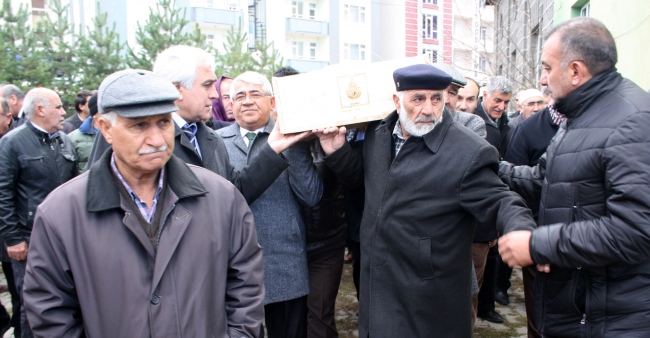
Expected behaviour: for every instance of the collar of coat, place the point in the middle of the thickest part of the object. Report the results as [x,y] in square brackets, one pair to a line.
[583,97]
[233,129]
[432,139]
[102,194]
[480,112]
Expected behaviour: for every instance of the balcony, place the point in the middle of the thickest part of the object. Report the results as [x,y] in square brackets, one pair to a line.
[306,65]
[216,16]
[307,27]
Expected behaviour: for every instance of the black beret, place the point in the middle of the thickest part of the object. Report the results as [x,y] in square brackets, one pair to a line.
[421,76]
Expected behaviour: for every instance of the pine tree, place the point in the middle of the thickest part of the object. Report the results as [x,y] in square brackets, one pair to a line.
[61,47]
[164,28]
[236,59]
[23,61]
[98,53]
[266,59]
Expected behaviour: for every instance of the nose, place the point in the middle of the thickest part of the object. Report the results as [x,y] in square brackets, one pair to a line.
[461,105]
[544,79]
[212,93]
[155,137]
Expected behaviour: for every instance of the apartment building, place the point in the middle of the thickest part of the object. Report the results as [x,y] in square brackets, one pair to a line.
[473,39]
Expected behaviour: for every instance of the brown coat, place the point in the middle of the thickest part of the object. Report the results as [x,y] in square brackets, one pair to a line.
[92,270]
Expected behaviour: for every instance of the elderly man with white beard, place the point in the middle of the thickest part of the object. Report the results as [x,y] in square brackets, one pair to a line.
[427,178]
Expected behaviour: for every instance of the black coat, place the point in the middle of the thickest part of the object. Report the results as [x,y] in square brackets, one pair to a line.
[594,214]
[496,135]
[31,166]
[252,181]
[417,227]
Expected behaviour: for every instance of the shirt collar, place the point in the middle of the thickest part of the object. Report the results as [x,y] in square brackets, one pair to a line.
[180,122]
[243,131]
[397,131]
[53,135]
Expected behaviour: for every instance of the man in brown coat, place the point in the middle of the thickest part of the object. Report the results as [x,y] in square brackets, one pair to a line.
[144,245]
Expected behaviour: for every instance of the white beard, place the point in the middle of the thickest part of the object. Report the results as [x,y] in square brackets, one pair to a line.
[414,129]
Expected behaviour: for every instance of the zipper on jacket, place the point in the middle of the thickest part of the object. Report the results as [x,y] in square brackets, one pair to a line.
[584,319]
[162,225]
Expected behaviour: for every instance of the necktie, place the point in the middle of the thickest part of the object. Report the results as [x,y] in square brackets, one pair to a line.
[250,136]
[190,132]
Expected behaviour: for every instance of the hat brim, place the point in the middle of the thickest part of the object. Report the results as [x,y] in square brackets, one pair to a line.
[144,109]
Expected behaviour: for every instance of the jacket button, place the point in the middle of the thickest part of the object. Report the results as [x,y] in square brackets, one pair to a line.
[155,299]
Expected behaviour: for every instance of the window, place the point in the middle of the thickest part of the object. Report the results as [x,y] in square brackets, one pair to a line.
[483,33]
[433,54]
[297,49]
[38,4]
[209,39]
[430,2]
[429,26]
[210,3]
[353,51]
[296,9]
[312,50]
[354,13]
[312,11]
[482,64]
[584,11]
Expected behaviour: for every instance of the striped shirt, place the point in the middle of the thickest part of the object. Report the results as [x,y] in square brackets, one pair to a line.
[146,211]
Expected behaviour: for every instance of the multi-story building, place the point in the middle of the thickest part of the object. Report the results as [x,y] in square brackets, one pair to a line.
[473,38]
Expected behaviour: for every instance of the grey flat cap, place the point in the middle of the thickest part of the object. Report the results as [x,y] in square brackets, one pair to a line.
[136,93]
[456,77]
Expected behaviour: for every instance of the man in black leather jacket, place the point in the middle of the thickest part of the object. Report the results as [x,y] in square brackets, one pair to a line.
[593,239]
[35,158]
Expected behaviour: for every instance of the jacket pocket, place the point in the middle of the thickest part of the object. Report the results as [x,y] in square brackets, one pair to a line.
[33,167]
[426,268]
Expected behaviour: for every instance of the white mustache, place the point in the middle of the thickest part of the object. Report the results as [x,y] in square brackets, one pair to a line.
[153,150]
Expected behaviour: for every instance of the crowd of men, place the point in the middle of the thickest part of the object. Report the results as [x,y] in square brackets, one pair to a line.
[171,204]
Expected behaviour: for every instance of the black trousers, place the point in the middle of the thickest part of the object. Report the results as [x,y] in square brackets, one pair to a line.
[287,319]
[486,295]
[355,249]
[504,272]
[15,297]
[325,268]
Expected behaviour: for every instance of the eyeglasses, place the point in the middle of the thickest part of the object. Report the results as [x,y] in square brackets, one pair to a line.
[534,103]
[254,95]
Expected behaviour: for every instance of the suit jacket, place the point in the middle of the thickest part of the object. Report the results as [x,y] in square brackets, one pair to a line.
[251,180]
[278,219]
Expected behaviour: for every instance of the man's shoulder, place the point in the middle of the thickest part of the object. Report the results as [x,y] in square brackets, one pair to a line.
[61,196]
[228,132]
[465,138]
[210,180]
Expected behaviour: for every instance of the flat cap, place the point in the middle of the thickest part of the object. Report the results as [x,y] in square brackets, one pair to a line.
[456,77]
[421,76]
[134,93]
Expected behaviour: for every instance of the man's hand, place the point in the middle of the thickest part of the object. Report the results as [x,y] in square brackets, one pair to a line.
[18,251]
[515,248]
[331,139]
[280,142]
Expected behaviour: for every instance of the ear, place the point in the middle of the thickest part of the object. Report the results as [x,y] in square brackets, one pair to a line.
[180,90]
[9,117]
[106,128]
[272,102]
[578,73]
[13,100]
[396,101]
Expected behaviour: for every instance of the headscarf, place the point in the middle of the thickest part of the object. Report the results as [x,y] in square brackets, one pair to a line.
[218,110]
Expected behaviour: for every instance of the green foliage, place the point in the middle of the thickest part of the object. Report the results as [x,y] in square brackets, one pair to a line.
[42,51]
[164,28]
[99,52]
[237,59]
[61,47]
[23,61]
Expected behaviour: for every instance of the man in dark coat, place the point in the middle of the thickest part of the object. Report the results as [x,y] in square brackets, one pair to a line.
[144,245]
[593,242]
[82,108]
[492,109]
[426,178]
[191,70]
